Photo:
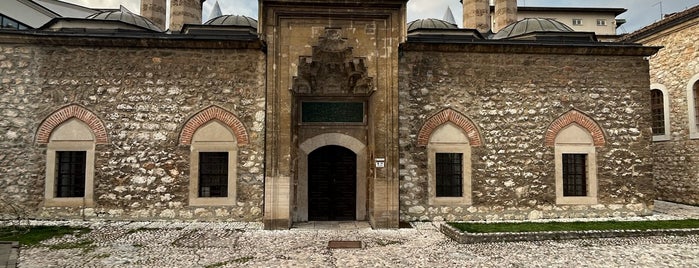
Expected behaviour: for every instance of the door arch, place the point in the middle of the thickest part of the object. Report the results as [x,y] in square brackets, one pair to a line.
[301,207]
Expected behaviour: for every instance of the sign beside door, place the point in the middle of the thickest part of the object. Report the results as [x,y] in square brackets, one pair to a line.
[380,162]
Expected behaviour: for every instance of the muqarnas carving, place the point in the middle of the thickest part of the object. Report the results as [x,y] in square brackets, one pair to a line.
[332,70]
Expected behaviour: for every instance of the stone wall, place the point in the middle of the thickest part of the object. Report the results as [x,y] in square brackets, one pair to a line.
[512,93]
[144,91]
[676,161]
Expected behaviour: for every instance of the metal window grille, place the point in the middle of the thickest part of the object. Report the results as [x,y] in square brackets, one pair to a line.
[574,175]
[449,174]
[657,111]
[213,174]
[70,173]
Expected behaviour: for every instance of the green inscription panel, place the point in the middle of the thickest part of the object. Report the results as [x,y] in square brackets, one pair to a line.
[332,112]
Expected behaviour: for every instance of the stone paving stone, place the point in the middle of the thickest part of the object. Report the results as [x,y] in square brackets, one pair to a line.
[162,244]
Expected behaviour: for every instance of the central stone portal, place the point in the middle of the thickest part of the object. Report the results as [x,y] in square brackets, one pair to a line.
[331,82]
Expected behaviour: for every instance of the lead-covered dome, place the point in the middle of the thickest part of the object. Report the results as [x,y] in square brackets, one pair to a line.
[430,24]
[125,17]
[233,20]
[531,25]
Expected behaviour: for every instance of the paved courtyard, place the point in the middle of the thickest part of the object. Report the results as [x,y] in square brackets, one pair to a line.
[160,244]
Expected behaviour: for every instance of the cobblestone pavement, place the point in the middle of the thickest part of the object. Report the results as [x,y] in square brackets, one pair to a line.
[161,244]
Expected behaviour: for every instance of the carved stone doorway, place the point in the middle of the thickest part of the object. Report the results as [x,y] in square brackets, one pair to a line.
[332,174]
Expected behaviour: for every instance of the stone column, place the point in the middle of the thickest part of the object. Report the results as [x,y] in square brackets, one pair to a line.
[184,12]
[505,13]
[154,10]
[477,15]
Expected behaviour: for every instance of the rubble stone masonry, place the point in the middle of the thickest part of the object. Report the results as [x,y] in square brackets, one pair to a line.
[143,96]
[676,161]
[513,99]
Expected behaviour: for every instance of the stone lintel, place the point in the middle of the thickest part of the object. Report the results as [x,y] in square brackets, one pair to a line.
[534,48]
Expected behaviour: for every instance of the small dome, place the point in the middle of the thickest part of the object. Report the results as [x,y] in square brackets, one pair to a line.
[430,24]
[233,20]
[125,17]
[531,25]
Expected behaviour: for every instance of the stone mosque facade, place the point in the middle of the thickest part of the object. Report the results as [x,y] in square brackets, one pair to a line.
[321,111]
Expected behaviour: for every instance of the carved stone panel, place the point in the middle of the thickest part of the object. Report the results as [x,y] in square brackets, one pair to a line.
[332,70]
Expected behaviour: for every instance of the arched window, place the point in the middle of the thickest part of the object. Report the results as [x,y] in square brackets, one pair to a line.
[693,106]
[576,166]
[213,162]
[449,164]
[70,165]
[658,112]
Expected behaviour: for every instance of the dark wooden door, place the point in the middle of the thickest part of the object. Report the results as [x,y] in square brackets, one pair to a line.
[332,184]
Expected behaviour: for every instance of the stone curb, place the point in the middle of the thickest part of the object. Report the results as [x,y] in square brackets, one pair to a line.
[472,238]
[9,259]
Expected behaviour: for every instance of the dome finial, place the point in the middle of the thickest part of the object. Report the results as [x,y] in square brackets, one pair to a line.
[215,11]
[449,16]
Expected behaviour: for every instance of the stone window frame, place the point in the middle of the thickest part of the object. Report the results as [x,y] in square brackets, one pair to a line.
[577,22]
[601,22]
[239,137]
[198,146]
[591,153]
[588,137]
[433,148]
[692,107]
[666,111]
[471,138]
[70,128]
[50,199]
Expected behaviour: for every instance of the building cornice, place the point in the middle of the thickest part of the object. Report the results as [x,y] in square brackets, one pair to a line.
[121,39]
[524,47]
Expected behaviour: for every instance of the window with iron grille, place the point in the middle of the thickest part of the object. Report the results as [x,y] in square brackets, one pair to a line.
[657,107]
[574,175]
[213,174]
[449,174]
[70,173]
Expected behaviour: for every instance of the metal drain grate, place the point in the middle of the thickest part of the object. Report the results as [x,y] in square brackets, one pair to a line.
[344,244]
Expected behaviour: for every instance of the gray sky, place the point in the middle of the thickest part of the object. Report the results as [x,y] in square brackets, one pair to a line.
[640,12]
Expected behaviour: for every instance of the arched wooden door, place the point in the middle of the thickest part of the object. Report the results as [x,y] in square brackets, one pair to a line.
[332,184]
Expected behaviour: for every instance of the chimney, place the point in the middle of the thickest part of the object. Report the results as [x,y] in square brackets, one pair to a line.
[154,10]
[184,12]
[505,13]
[477,15]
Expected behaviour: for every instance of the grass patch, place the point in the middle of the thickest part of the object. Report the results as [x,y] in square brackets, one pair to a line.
[573,226]
[33,235]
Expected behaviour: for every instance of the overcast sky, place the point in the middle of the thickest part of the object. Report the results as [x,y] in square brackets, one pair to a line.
[640,12]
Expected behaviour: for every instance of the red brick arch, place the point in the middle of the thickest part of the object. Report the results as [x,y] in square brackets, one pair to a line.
[66,113]
[449,115]
[579,118]
[214,113]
